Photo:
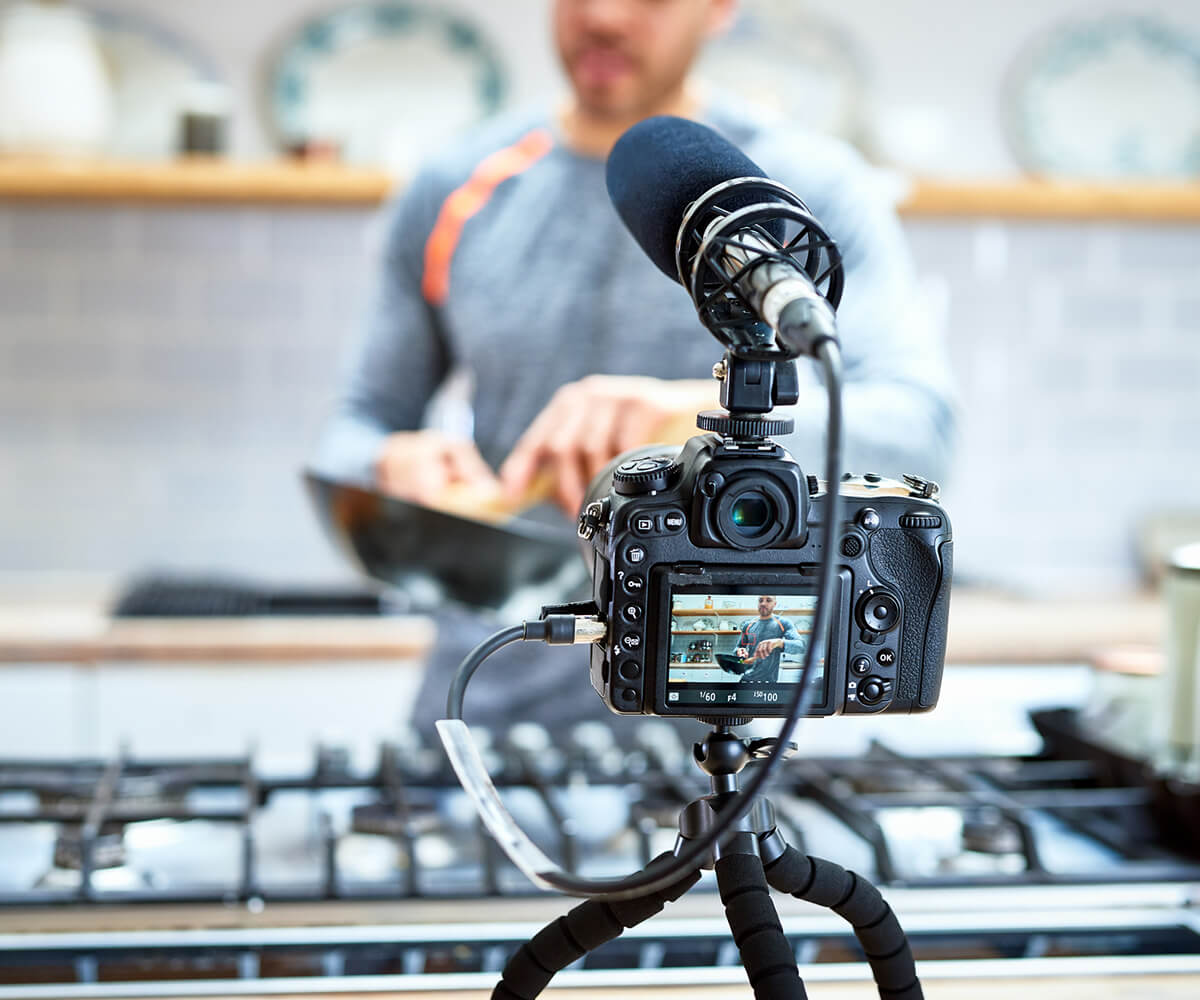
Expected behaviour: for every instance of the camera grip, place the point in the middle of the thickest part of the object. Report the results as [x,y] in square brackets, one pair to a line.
[935,633]
[921,570]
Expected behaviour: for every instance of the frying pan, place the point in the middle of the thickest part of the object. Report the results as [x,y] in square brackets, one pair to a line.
[434,556]
[731,664]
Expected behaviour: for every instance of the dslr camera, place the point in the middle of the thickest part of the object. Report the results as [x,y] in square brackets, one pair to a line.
[705,560]
[704,564]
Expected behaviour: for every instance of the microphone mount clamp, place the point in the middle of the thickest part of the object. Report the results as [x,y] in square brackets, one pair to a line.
[746,249]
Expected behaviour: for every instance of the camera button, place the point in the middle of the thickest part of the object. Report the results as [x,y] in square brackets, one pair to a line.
[886,657]
[631,641]
[873,690]
[673,520]
[643,525]
[869,519]
[635,554]
[632,613]
[861,665]
[634,584]
[630,670]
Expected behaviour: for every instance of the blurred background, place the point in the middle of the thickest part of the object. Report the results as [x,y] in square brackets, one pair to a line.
[188,196]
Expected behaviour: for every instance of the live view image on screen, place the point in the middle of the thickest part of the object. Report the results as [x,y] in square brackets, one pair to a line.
[739,648]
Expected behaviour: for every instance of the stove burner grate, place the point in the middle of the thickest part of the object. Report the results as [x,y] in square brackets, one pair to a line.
[1119,823]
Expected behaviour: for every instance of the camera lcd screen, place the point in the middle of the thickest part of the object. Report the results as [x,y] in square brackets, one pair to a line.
[743,647]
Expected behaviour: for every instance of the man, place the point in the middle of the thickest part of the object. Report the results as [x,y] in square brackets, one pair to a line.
[505,257]
[762,640]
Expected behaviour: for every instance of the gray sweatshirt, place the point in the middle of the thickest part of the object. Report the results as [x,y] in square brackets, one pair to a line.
[542,285]
[515,266]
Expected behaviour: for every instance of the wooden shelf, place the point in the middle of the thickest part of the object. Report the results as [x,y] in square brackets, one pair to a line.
[209,181]
[731,612]
[720,631]
[1058,199]
[204,181]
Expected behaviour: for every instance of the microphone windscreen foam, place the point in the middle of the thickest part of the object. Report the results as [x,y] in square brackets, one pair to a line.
[662,165]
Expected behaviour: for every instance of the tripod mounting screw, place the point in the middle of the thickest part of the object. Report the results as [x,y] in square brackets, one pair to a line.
[723,752]
[720,370]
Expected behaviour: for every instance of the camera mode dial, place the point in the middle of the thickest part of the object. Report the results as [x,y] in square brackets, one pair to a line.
[737,426]
[645,475]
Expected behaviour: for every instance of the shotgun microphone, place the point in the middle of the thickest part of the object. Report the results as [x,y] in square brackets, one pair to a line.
[763,274]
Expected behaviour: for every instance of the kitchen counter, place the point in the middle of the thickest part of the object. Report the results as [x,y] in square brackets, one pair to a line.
[203,180]
[1048,978]
[984,628]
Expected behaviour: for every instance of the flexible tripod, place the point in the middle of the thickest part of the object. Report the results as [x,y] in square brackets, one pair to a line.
[754,857]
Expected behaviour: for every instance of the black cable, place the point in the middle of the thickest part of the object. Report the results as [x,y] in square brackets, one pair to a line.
[458,685]
[695,852]
[857,901]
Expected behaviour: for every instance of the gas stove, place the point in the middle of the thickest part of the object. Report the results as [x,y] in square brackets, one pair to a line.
[344,878]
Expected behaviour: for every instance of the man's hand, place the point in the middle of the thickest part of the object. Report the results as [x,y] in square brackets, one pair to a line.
[427,466]
[766,648]
[588,423]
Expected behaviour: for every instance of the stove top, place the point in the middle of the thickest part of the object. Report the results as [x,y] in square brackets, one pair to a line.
[1075,852]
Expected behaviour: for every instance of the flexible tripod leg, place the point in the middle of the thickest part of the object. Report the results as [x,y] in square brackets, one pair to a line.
[856,900]
[586,927]
[768,958]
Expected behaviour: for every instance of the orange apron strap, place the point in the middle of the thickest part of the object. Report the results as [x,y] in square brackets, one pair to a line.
[466,201]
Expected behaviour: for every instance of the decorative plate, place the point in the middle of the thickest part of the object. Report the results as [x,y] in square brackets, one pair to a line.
[1113,97]
[385,82]
[781,58]
[152,71]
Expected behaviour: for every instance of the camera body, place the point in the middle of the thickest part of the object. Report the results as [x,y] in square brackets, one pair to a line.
[714,550]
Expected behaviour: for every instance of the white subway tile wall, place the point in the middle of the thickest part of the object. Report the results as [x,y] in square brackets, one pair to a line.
[163,372]
[162,375]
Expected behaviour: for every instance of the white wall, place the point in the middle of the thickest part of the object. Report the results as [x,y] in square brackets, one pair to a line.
[163,371]
[947,55]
